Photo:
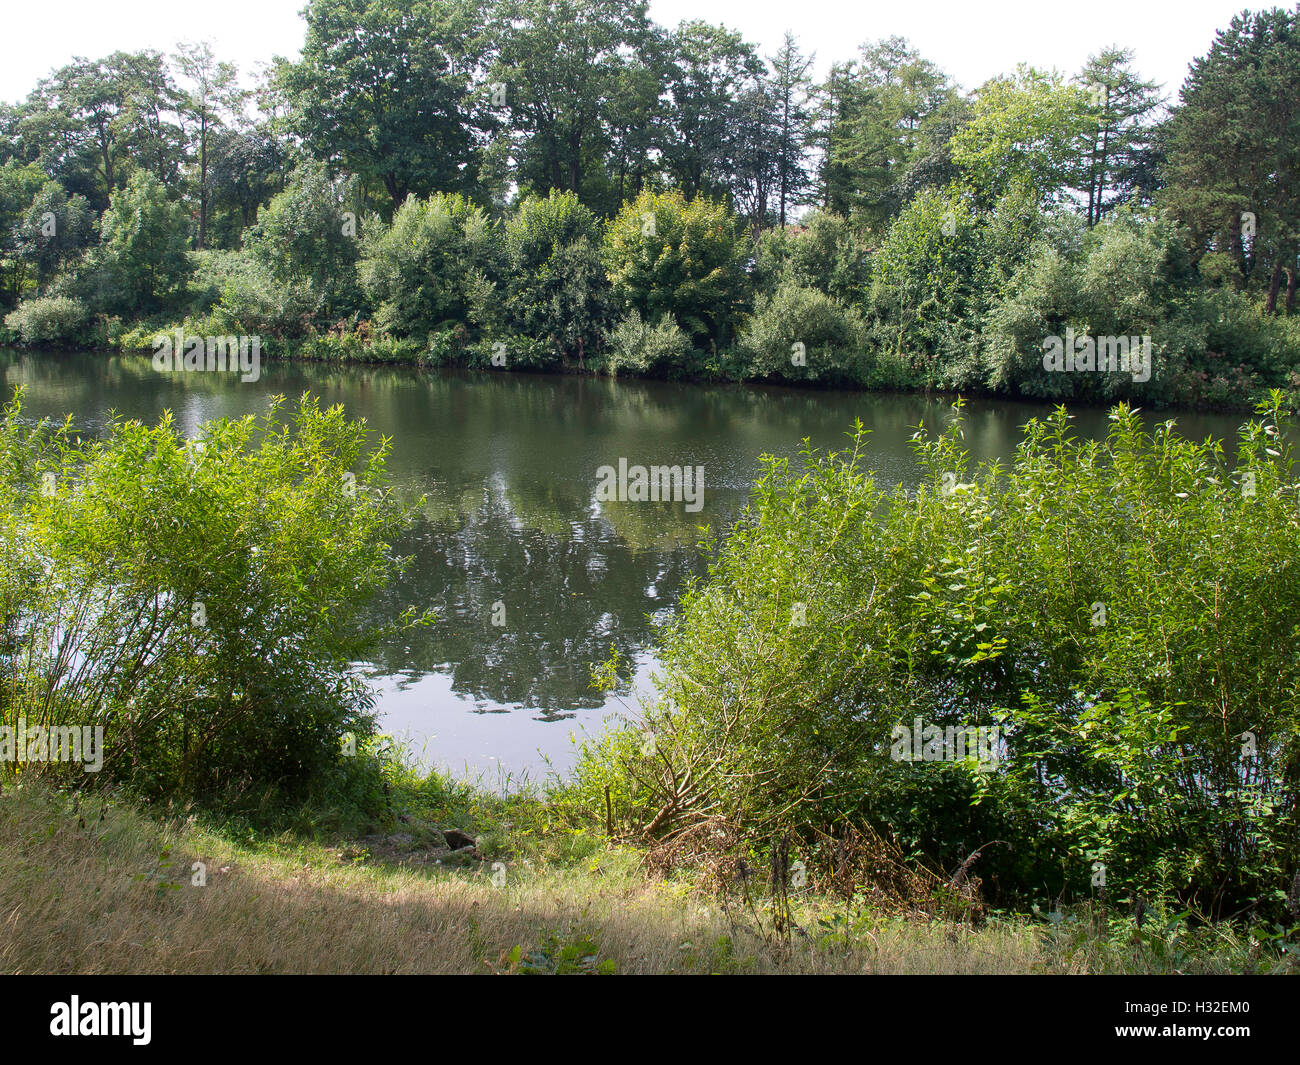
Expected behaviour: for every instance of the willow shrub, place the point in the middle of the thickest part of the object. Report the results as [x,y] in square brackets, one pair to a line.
[201,600]
[1125,611]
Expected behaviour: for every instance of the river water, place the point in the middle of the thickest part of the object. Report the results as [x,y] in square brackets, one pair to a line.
[513,530]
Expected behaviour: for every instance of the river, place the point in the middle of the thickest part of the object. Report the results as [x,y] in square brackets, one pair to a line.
[513,531]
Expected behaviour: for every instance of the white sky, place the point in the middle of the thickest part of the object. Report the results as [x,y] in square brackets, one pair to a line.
[970,40]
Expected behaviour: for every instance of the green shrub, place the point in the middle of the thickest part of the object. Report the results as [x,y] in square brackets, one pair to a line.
[201,600]
[241,295]
[141,261]
[1125,611]
[51,320]
[829,335]
[557,288]
[666,255]
[433,268]
[640,347]
[303,240]
[825,252]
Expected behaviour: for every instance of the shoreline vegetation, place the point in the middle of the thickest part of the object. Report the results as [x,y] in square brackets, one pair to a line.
[383,357]
[690,211]
[758,812]
[148,890]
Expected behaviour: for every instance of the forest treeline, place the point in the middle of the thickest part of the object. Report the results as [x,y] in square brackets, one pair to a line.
[537,185]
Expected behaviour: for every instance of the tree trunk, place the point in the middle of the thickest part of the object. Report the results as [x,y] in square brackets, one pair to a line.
[1274,286]
[1290,286]
[203,183]
[396,190]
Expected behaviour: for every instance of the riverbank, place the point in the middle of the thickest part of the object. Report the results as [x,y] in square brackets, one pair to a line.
[127,899]
[361,348]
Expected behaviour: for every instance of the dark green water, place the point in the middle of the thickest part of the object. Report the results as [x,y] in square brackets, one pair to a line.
[509,464]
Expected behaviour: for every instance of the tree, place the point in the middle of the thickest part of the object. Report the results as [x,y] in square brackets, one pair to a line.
[212,98]
[19,185]
[755,163]
[1234,148]
[303,236]
[1117,148]
[55,229]
[142,247]
[634,119]
[386,89]
[1024,129]
[875,111]
[790,89]
[711,70]
[104,118]
[247,168]
[570,71]
[556,284]
[433,268]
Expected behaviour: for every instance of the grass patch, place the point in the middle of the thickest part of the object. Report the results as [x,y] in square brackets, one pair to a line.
[98,884]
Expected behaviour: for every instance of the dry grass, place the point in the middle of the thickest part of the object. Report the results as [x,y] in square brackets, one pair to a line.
[102,889]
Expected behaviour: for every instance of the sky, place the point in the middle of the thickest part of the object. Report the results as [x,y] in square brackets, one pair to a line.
[971,41]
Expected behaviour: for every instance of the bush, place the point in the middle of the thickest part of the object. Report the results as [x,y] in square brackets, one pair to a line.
[831,336]
[52,320]
[201,600]
[825,252]
[433,268]
[299,240]
[141,260]
[669,256]
[644,348]
[557,287]
[1130,276]
[242,296]
[923,288]
[1124,611]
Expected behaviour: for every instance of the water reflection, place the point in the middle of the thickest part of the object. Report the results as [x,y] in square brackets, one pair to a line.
[508,464]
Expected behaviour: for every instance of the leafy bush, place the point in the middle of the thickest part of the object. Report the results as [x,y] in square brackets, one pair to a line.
[557,286]
[922,288]
[1131,276]
[300,240]
[666,255]
[201,600]
[54,231]
[141,260]
[825,252]
[1124,610]
[831,335]
[52,320]
[243,296]
[433,268]
[644,347]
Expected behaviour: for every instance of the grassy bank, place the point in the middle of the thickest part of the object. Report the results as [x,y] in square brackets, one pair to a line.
[100,885]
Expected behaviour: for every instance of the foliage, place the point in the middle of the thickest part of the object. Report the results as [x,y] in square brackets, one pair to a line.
[48,320]
[647,347]
[1120,609]
[141,260]
[304,238]
[556,285]
[432,268]
[800,333]
[201,600]
[666,254]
